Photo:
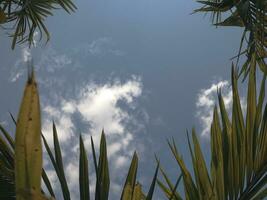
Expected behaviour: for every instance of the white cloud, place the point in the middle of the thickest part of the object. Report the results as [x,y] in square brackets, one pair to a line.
[52,61]
[26,56]
[122,161]
[3,123]
[19,69]
[100,47]
[99,106]
[207,99]
[111,106]
[72,176]
[102,111]
[49,62]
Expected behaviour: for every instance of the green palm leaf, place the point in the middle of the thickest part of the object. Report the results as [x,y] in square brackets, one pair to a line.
[102,176]
[130,181]
[28,17]
[83,173]
[250,14]
[238,168]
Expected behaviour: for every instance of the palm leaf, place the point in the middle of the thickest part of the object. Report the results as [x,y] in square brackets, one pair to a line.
[83,173]
[250,14]
[56,163]
[130,181]
[152,186]
[28,148]
[28,191]
[238,150]
[102,182]
[28,17]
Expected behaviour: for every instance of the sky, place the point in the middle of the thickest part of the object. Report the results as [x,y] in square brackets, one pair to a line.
[144,71]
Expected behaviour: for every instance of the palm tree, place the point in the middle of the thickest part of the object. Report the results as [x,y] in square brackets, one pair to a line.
[249,14]
[21,161]
[238,168]
[25,17]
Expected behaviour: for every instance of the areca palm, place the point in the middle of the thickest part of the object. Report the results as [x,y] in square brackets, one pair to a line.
[21,161]
[25,17]
[249,14]
[238,167]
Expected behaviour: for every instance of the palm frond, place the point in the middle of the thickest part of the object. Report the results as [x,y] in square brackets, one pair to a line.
[250,14]
[28,17]
[83,173]
[131,188]
[238,168]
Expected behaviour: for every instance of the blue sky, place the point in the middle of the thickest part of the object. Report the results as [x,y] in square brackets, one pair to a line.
[143,70]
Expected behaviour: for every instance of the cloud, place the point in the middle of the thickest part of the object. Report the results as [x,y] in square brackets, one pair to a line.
[96,106]
[207,99]
[86,107]
[49,60]
[52,61]
[100,47]
[18,70]
[3,123]
[26,56]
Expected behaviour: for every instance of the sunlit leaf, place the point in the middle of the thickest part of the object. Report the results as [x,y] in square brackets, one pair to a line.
[28,148]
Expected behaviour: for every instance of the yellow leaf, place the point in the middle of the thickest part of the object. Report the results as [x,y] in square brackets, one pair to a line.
[28,149]
[2,17]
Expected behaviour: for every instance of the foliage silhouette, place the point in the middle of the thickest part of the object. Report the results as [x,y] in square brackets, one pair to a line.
[25,17]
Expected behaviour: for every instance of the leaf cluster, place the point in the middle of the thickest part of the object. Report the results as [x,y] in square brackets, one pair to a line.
[26,17]
[249,14]
[238,167]
[132,190]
